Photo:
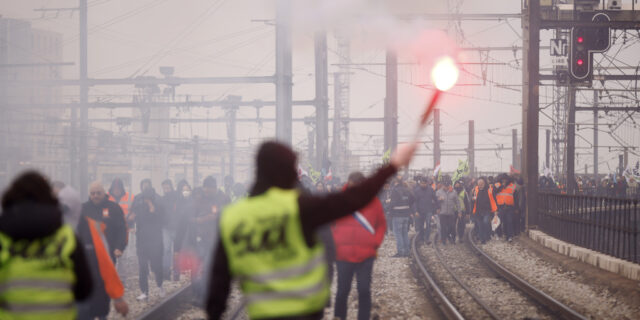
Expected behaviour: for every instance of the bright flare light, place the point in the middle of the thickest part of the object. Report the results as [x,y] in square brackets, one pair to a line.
[445,74]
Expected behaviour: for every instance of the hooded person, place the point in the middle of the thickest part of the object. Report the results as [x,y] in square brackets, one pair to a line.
[32,236]
[150,217]
[268,241]
[71,205]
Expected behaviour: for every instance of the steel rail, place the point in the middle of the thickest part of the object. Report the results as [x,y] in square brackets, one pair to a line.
[472,293]
[544,299]
[163,310]
[449,310]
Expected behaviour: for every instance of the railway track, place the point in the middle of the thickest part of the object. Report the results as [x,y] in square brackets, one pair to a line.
[468,284]
[170,307]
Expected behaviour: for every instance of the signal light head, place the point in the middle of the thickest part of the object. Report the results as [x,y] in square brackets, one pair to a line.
[580,39]
[580,62]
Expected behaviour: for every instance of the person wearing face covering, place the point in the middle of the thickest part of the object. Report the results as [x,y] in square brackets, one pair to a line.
[268,240]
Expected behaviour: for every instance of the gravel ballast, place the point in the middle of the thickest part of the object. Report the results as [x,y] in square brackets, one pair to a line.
[395,292]
[505,300]
[568,286]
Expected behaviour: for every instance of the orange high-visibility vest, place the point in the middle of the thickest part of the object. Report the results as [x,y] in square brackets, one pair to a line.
[505,197]
[124,202]
[494,207]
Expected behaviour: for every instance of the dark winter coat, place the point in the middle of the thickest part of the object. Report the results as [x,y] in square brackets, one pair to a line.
[426,201]
[401,201]
[112,215]
[149,224]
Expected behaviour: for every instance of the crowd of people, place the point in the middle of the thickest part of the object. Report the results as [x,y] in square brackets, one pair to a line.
[617,186]
[283,239]
[47,223]
[445,206]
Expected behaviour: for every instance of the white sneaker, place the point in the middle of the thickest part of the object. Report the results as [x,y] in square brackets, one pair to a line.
[161,292]
[142,297]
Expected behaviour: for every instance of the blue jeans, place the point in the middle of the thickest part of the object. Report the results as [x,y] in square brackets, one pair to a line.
[401,232]
[423,225]
[506,218]
[362,271]
[485,227]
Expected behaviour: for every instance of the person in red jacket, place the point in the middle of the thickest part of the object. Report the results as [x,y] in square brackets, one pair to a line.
[357,238]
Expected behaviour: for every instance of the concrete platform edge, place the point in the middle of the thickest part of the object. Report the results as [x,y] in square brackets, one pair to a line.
[624,268]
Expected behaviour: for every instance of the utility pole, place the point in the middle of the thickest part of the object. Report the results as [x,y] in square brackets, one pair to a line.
[322,100]
[283,71]
[311,143]
[83,166]
[626,159]
[546,152]
[436,137]
[621,164]
[571,140]
[74,177]
[514,149]
[336,142]
[471,148]
[231,133]
[530,100]
[196,159]
[595,135]
[391,102]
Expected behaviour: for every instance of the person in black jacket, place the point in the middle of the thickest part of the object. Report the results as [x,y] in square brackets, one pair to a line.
[424,207]
[31,212]
[107,284]
[150,220]
[401,200]
[276,168]
[101,209]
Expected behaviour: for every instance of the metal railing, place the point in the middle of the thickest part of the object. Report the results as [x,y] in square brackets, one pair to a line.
[607,225]
[630,192]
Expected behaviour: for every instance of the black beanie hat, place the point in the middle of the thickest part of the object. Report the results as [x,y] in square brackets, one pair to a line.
[275,167]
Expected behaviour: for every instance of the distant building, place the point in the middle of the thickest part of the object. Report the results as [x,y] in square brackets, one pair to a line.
[30,138]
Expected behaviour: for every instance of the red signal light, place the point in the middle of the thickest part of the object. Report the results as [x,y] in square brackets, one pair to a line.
[580,62]
[580,39]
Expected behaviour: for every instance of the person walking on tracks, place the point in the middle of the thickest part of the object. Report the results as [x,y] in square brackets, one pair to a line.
[357,238]
[401,200]
[449,209]
[43,268]
[506,205]
[94,229]
[110,213]
[484,205]
[150,219]
[425,207]
[268,241]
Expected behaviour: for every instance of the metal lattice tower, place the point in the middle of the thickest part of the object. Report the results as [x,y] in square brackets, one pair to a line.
[340,147]
[558,134]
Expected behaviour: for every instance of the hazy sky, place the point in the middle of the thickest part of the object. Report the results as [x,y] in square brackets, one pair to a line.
[218,38]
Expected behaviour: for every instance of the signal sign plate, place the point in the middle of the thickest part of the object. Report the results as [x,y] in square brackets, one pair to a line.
[558,47]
